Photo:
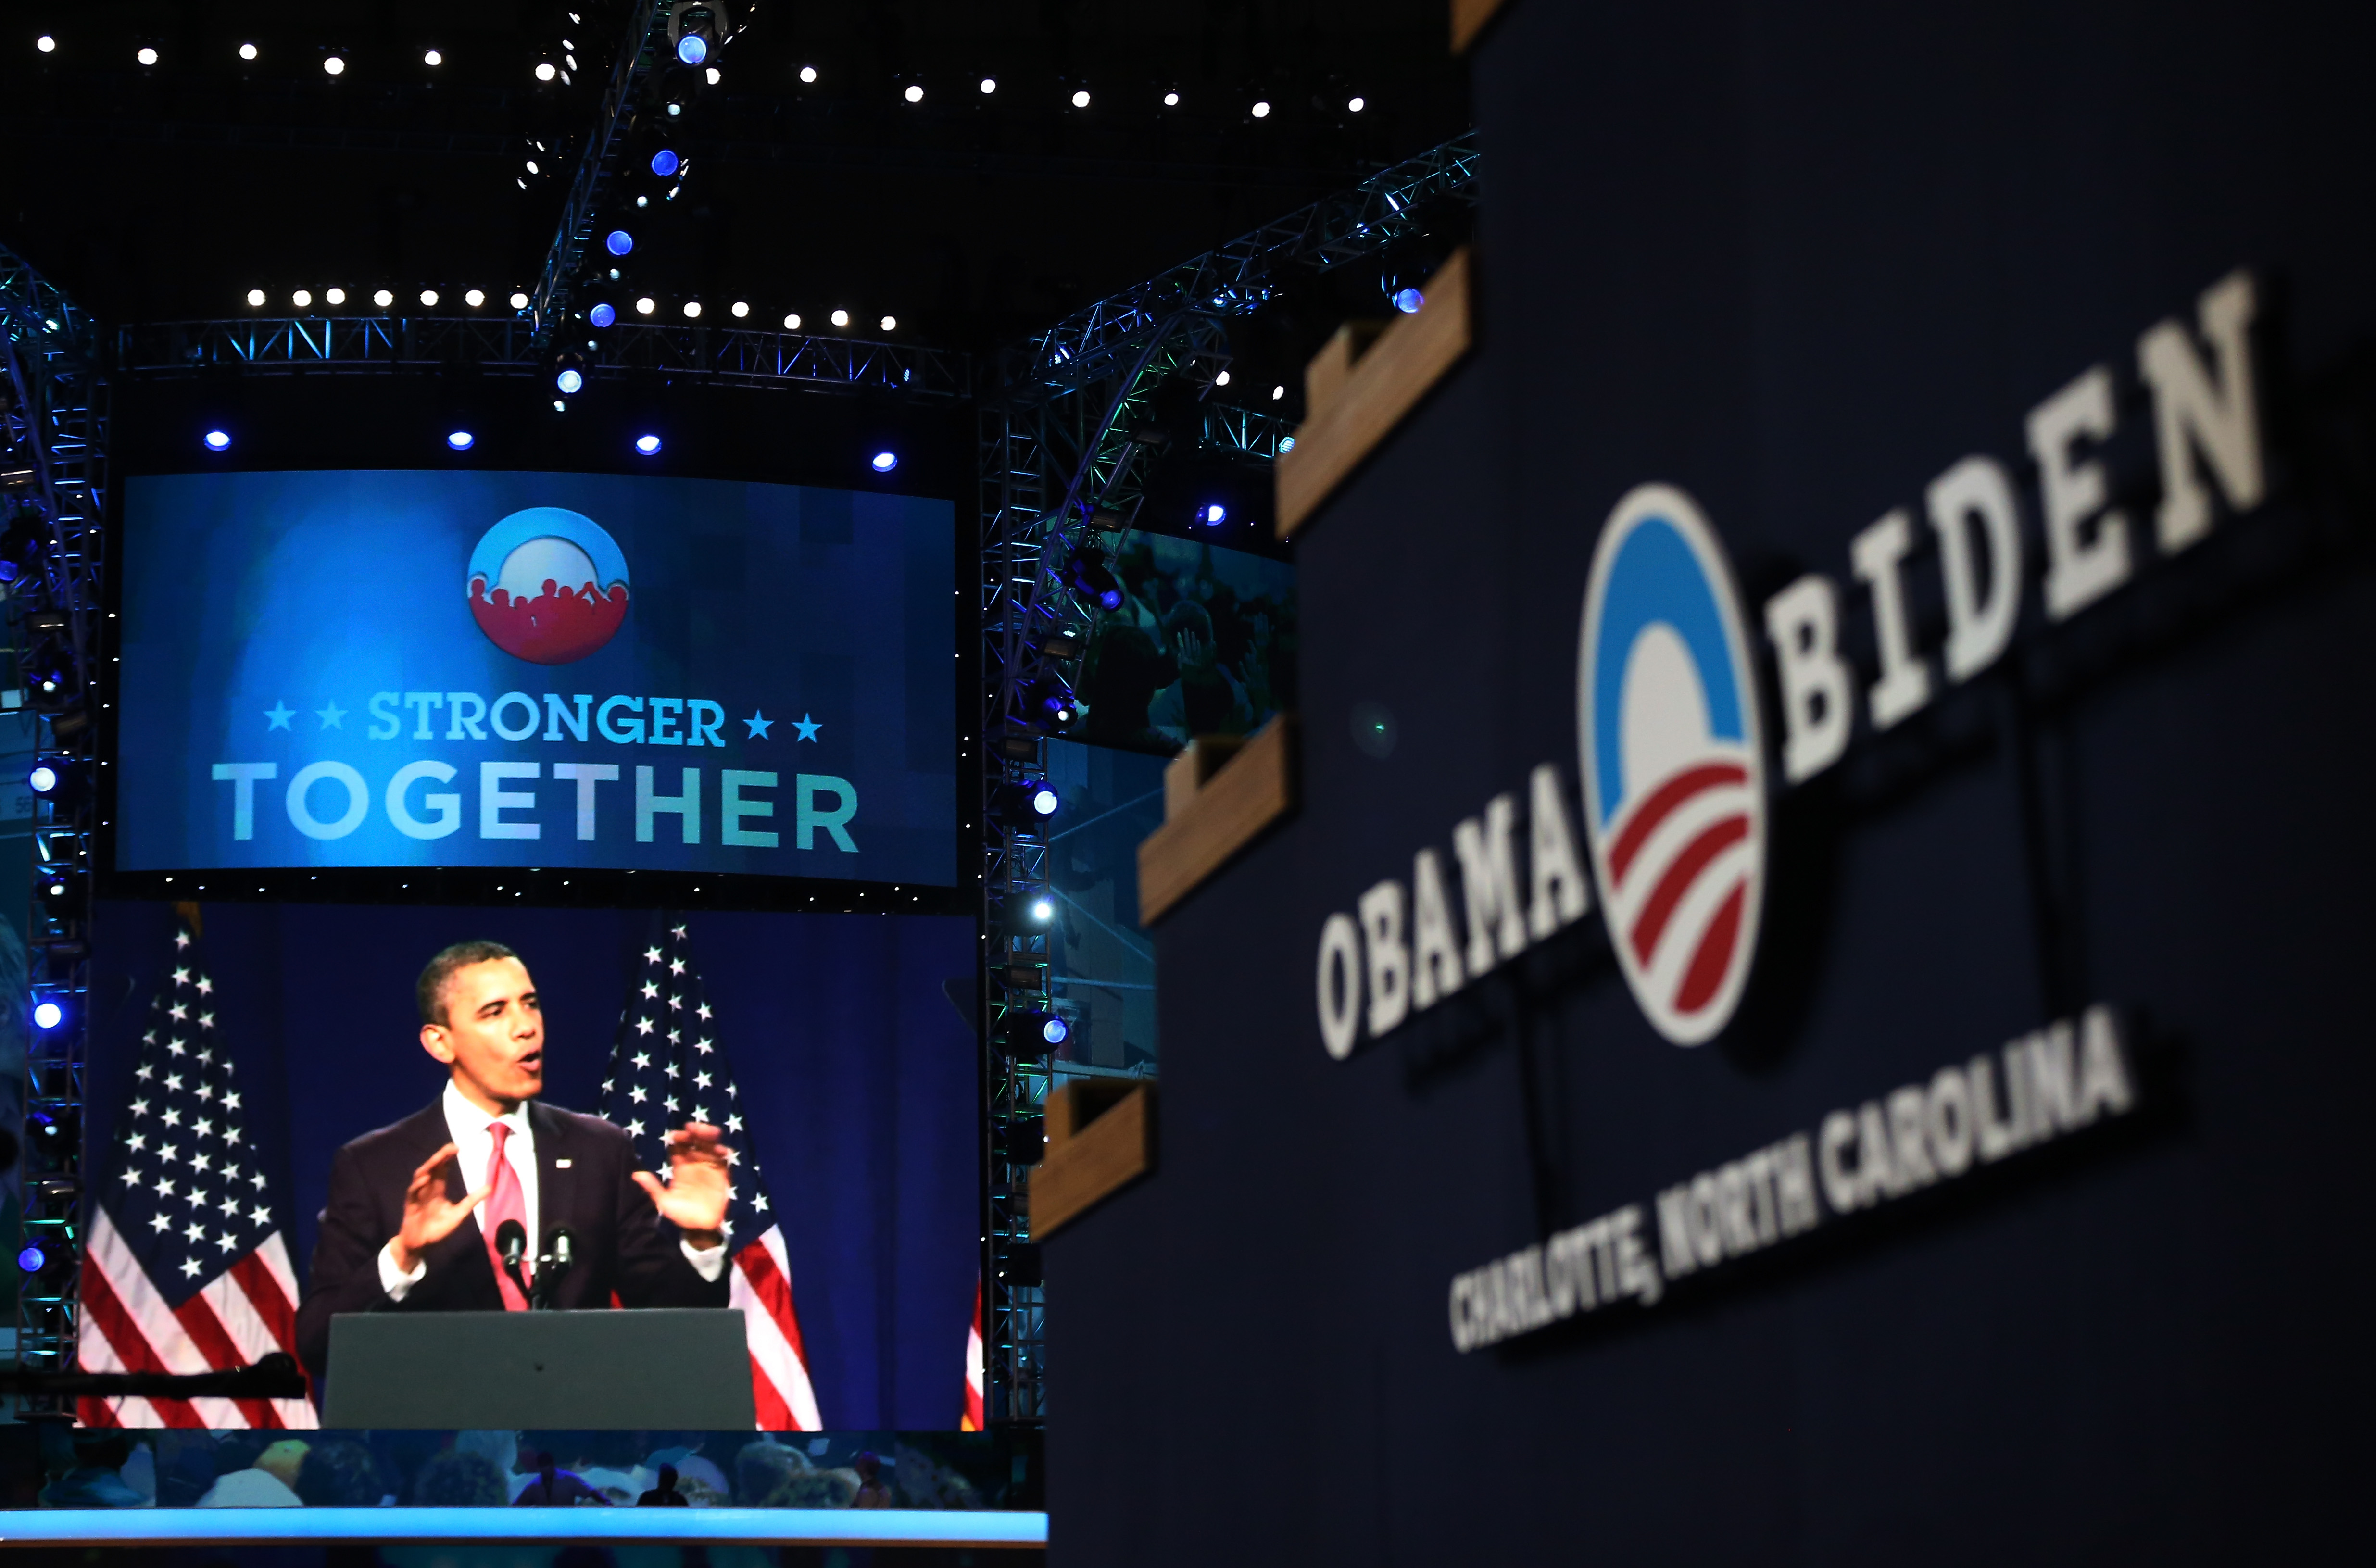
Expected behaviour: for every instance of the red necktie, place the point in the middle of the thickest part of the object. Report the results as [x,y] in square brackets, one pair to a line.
[507,1202]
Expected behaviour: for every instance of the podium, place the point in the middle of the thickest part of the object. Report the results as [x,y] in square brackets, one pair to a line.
[686,1369]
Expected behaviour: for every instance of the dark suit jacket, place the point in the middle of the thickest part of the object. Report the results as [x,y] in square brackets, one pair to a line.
[621,1244]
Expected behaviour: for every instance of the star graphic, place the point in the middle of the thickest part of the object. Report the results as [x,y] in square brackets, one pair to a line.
[676,966]
[168,1154]
[635,1092]
[257,1181]
[164,1187]
[679,933]
[229,1205]
[703,1046]
[231,1134]
[332,716]
[650,990]
[146,1069]
[643,1026]
[733,1124]
[181,938]
[263,1214]
[759,1202]
[231,1103]
[651,954]
[181,977]
[636,1129]
[280,713]
[643,1060]
[136,1142]
[760,724]
[701,1080]
[190,1268]
[703,1010]
[160,1223]
[807,727]
[206,986]
[197,1233]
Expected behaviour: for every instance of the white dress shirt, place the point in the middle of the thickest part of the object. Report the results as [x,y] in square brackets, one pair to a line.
[474,1146]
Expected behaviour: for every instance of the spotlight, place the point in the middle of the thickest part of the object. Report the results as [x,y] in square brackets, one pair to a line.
[383,299]
[990,84]
[1044,799]
[665,162]
[914,94]
[334,296]
[335,66]
[1261,110]
[1026,801]
[559,407]
[886,461]
[1276,393]
[301,299]
[890,323]
[428,296]
[42,778]
[568,374]
[519,300]
[712,76]
[742,308]
[1408,300]
[146,56]
[692,310]
[30,1259]
[218,441]
[602,315]
[1287,442]
[1355,105]
[841,318]
[1089,575]
[475,298]
[544,71]
[45,43]
[432,58]
[619,241]
[1044,911]
[647,444]
[461,440]
[1214,514]
[643,201]
[1081,100]
[1172,101]
[643,306]
[692,49]
[808,73]
[247,51]
[48,1015]
[792,322]
[255,296]
[1222,379]
[531,166]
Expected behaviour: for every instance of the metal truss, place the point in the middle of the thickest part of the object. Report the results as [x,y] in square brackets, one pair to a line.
[1063,442]
[507,345]
[54,475]
[642,49]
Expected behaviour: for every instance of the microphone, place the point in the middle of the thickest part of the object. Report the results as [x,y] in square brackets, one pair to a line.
[511,1242]
[552,1265]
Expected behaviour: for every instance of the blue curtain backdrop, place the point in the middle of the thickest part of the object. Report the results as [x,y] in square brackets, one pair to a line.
[859,1086]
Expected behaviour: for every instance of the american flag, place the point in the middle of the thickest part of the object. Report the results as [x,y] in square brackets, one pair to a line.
[972,1419]
[186,1265]
[667,1068]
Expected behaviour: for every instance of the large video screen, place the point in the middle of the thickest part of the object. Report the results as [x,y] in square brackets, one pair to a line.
[536,670]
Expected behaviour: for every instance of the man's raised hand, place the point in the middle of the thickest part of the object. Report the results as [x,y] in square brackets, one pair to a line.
[428,1214]
[694,1196]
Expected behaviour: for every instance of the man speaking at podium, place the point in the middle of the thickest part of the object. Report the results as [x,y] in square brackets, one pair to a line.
[400,1232]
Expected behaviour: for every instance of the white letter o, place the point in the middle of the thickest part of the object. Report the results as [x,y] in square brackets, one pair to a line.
[357,799]
[1340,985]
[495,715]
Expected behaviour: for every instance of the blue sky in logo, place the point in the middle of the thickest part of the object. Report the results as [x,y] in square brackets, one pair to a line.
[549,522]
[1655,577]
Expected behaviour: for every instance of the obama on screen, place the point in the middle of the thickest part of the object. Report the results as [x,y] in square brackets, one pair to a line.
[417,1210]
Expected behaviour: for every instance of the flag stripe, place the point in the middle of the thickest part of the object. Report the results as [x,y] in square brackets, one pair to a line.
[765,1301]
[273,1303]
[205,1331]
[768,1405]
[132,1348]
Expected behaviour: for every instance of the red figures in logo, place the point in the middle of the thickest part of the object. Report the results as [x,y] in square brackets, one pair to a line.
[555,627]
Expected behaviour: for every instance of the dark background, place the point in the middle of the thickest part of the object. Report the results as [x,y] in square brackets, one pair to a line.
[859,1086]
[1799,261]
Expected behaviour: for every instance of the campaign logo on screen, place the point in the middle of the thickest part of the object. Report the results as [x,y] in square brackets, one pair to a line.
[1673,773]
[548,585]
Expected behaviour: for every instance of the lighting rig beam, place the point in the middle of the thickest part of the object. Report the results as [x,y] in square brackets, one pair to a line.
[643,49]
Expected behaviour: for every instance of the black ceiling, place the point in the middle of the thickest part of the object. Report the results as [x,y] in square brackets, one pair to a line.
[168,191]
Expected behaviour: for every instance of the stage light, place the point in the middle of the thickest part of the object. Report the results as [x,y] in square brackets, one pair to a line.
[519,300]
[48,1015]
[1214,514]
[914,94]
[1044,911]
[890,323]
[792,322]
[568,380]
[334,296]
[692,49]
[1081,100]
[841,318]
[428,296]
[1276,393]
[532,168]
[602,315]
[643,306]
[146,56]
[1287,442]
[692,310]
[740,308]
[1222,379]
[459,440]
[218,441]
[475,298]
[665,162]
[1172,101]
[255,296]
[383,299]
[647,444]
[1355,105]
[1408,300]
[30,1259]
[301,299]
[42,778]
[335,66]
[45,43]
[1261,110]
[559,407]
[619,241]
[642,202]
[544,71]
[674,109]
[990,84]
[808,73]
[247,51]
[713,77]
[886,461]
[432,58]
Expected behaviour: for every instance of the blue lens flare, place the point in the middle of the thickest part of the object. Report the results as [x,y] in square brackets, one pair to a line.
[601,315]
[1055,1031]
[48,1015]
[31,1260]
[218,441]
[647,444]
[620,242]
[569,381]
[692,49]
[42,779]
[665,162]
[1045,801]
[461,440]
[886,461]
[1408,300]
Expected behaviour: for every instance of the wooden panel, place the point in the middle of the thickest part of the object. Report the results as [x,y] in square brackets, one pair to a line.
[1075,1105]
[1193,767]
[1095,1161]
[1469,19]
[1374,394]
[1255,789]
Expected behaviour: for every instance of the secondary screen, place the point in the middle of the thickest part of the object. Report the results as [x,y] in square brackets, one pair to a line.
[536,670]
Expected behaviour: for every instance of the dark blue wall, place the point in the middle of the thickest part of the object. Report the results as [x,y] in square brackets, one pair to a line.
[1799,260]
[859,1080]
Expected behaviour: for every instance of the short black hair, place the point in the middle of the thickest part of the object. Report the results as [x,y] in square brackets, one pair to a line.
[429,991]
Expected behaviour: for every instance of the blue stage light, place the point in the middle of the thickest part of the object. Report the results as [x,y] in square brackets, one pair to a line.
[218,441]
[1408,300]
[665,162]
[647,444]
[1044,799]
[620,242]
[1216,515]
[692,49]
[42,779]
[1054,1030]
[48,1015]
[569,380]
[1042,910]
[30,1259]
[601,315]
[461,440]
[886,461]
